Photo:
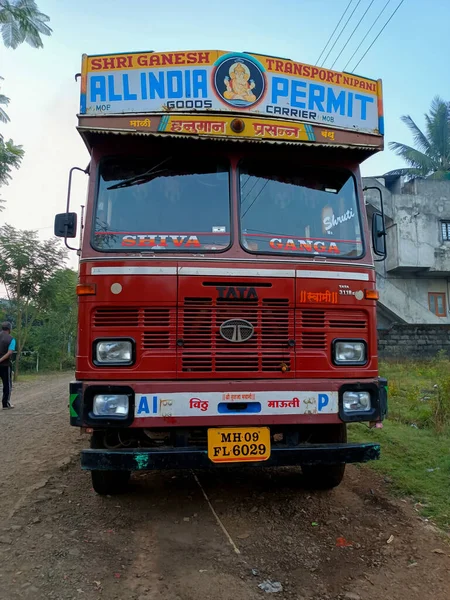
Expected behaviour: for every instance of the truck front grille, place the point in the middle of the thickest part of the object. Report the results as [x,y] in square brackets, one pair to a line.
[189,343]
[317,328]
[155,326]
[205,350]
[106,316]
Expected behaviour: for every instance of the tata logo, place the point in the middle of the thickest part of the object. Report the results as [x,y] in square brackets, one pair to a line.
[236,330]
[237,293]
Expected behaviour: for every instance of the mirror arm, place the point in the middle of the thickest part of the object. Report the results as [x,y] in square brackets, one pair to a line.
[85,171]
[380,233]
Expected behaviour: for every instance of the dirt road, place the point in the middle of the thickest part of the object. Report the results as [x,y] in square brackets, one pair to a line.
[59,540]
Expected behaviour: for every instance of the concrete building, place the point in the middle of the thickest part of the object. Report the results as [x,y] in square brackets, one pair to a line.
[413,282]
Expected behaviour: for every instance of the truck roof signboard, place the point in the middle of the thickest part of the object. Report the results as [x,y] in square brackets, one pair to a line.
[225,82]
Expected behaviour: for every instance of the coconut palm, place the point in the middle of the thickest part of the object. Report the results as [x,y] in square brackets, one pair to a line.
[431,156]
[21,21]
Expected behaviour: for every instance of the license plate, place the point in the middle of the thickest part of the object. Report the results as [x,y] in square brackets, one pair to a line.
[238,444]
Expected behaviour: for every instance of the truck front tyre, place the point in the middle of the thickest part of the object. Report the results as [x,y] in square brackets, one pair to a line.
[325,477]
[107,483]
[110,483]
[322,477]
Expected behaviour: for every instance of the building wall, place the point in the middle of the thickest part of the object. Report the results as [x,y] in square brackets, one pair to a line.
[407,298]
[413,341]
[418,259]
[415,242]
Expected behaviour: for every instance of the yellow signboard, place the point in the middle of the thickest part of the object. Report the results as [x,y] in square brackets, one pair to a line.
[232,127]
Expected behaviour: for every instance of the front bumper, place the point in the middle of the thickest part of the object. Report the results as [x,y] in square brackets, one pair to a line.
[206,404]
[197,458]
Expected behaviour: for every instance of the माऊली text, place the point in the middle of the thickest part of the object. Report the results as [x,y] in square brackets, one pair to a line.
[294,403]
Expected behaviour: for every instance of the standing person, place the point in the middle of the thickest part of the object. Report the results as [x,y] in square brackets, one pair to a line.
[7,347]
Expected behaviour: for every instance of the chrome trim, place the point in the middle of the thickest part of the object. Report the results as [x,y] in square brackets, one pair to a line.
[220,259]
[333,275]
[236,272]
[133,271]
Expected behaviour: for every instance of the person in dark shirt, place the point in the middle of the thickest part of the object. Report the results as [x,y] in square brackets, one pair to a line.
[7,348]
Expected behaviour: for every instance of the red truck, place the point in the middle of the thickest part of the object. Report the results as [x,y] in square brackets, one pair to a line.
[227,301]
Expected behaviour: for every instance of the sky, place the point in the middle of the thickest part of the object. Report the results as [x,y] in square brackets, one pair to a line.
[411,56]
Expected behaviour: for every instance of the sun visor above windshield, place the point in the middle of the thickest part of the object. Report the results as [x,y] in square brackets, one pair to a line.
[200,128]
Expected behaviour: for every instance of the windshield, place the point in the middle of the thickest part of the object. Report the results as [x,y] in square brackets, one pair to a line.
[287,209]
[162,204]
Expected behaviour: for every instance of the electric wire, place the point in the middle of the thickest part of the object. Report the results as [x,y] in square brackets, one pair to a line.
[365,37]
[352,33]
[334,31]
[383,28]
[341,32]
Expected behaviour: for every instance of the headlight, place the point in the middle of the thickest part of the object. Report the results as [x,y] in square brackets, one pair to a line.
[348,352]
[110,405]
[113,352]
[356,401]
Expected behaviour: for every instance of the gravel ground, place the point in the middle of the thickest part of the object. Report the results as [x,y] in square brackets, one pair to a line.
[59,540]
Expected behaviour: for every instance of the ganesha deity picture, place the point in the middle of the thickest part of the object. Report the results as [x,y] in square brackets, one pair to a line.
[239,81]
[238,85]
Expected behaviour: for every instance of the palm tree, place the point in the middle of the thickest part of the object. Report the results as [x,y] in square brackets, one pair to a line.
[21,21]
[431,157]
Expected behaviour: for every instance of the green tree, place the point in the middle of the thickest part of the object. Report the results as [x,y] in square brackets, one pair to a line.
[21,21]
[3,101]
[26,265]
[10,158]
[54,337]
[431,156]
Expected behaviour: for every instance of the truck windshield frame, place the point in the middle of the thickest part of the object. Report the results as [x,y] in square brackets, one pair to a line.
[329,195]
[178,179]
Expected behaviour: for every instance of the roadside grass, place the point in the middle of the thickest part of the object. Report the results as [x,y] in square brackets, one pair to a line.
[415,439]
[30,377]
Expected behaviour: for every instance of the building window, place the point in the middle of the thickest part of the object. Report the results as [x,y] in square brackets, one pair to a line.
[445,228]
[437,303]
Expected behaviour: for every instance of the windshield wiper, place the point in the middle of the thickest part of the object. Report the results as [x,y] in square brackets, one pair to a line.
[142,178]
[137,180]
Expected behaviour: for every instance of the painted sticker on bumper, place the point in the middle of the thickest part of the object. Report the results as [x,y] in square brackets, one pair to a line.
[215,403]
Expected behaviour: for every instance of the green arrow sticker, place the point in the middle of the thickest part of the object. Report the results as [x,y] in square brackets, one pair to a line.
[73,412]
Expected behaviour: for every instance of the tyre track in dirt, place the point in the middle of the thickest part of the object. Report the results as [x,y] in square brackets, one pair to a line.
[161,540]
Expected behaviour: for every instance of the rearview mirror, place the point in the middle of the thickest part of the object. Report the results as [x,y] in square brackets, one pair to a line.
[378,235]
[66,225]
